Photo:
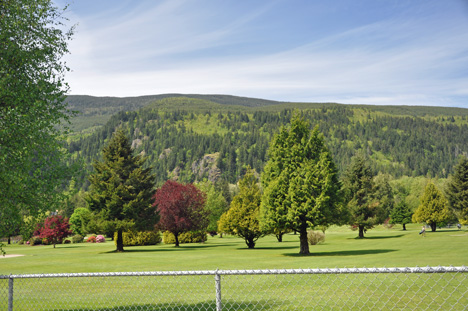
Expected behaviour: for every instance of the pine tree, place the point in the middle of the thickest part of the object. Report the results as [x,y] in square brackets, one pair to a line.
[401,214]
[457,190]
[300,182]
[433,208]
[121,189]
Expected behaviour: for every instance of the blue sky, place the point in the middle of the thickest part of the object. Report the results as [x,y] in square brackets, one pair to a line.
[355,52]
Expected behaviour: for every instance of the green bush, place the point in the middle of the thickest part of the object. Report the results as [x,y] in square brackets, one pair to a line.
[35,240]
[315,237]
[139,238]
[185,237]
[77,238]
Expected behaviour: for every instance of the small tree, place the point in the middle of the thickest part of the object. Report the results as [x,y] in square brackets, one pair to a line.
[181,208]
[401,214]
[215,203]
[79,220]
[242,217]
[433,208]
[55,229]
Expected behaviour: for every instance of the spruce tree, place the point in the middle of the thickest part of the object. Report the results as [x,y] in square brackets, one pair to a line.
[300,181]
[121,189]
[457,190]
[401,214]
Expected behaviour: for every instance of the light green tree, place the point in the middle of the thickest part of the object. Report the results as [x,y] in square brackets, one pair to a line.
[121,189]
[300,181]
[433,209]
[215,203]
[79,220]
[242,217]
[33,111]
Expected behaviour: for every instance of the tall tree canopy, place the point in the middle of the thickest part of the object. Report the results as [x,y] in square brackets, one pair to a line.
[300,182]
[362,200]
[182,208]
[121,189]
[433,209]
[457,190]
[242,218]
[32,107]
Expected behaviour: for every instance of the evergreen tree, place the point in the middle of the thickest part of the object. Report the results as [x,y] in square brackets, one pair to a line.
[433,208]
[121,189]
[242,217]
[401,214]
[301,182]
[359,194]
[457,190]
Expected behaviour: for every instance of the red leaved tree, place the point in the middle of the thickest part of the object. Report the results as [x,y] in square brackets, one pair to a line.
[55,229]
[181,208]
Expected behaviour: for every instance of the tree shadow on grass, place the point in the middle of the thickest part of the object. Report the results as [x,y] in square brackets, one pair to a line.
[208,306]
[344,253]
[377,237]
[128,249]
[277,247]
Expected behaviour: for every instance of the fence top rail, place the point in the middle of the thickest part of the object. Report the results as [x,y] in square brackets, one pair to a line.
[439,269]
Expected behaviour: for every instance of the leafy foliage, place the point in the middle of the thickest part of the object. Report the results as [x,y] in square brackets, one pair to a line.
[300,181]
[121,189]
[181,208]
[55,229]
[242,218]
[32,108]
[215,203]
[433,209]
[79,220]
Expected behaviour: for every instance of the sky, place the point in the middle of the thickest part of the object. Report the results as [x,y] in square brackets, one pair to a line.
[377,52]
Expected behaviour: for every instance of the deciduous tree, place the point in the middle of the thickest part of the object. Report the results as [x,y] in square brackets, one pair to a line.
[300,181]
[55,229]
[121,189]
[33,111]
[181,207]
[79,220]
[242,218]
[433,209]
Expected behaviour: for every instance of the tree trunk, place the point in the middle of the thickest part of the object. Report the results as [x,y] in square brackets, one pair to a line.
[176,236]
[119,241]
[361,231]
[433,227]
[54,245]
[404,227]
[279,237]
[9,240]
[303,239]
[250,243]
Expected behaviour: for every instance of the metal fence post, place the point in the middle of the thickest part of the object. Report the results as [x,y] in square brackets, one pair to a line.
[10,294]
[219,305]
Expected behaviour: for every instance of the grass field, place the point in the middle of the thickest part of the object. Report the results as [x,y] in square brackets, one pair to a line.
[381,248]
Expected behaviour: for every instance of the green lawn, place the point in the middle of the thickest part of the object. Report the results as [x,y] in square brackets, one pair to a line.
[381,248]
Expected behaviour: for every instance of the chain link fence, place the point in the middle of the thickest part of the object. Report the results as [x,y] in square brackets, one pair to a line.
[429,288]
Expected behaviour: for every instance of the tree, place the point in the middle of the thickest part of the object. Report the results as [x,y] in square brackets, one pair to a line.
[55,229]
[242,217]
[433,208]
[79,220]
[300,182]
[121,189]
[457,190]
[33,111]
[181,208]
[364,207]
[401,214]
[215,203]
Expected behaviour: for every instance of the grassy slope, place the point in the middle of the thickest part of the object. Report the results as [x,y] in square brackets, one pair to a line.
[381,248]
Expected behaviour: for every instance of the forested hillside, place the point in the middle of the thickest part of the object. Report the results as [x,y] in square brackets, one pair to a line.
[192,138]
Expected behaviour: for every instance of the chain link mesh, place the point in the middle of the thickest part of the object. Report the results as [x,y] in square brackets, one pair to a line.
[439,288]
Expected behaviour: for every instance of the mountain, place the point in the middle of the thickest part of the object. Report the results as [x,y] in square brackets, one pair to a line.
[192,137]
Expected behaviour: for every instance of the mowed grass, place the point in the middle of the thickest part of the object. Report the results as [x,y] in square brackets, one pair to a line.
[381,248]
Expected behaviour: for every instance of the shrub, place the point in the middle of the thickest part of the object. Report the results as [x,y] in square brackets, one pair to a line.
[315,237]
[45,241]
[100,239]
[91,239]
[185,237]
[77,238]
[66,242]
[35,240]
[140,238]
[21,242]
